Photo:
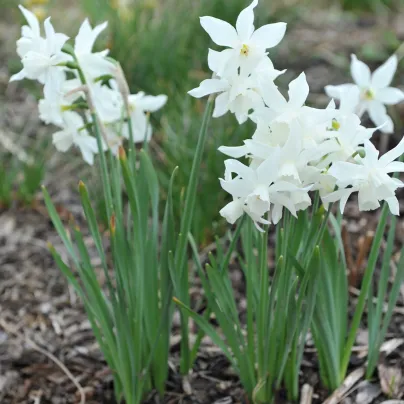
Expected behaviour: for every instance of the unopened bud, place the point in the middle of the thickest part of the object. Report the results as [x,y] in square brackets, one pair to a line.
[82,186]
[112,225]
[121,153]
[67,48]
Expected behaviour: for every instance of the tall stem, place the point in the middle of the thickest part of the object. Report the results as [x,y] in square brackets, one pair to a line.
[186,222]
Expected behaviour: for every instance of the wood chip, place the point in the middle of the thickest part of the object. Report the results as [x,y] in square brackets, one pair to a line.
[367,392]
[306,394]
[346,386]
[391,345]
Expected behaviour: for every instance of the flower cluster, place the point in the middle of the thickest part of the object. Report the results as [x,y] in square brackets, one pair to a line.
[77,80]
[295,148]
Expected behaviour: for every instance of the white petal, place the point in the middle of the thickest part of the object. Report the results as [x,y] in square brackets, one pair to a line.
[217,61]
[395,167]
[221,105]
[269,35]
[62,140]
[245,22]
[49,30]
[298,91]
[221,32]
[152,103]
[350,99]
[232,211]
[336,91]
[18,76]
[277,212]
[31,20]
[88,147]
[86,37]
[236,167]
[392,154]
[378,114]
[341,195]
[235,152]
[393,205]
[390,95]
[272,98]
[95,64]
[372,153]
[236,188]
[367,198]
[360,72]
[209,86]
[383,75]
[346,172]
[267,172]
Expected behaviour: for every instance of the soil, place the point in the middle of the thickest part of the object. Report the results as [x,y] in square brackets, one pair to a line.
[46,342]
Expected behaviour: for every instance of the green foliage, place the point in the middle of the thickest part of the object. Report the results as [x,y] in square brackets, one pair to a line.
[131,318]
[368,5]
[267,354]
[19,181]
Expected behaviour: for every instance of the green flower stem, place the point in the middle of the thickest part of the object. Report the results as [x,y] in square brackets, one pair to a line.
[181,250]
[366,283]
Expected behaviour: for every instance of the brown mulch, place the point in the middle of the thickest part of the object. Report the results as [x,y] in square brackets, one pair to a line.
[46,343]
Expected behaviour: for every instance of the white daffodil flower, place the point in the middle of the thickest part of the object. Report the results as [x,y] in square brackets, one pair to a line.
[237,95]
[108,102]
[369,177]
[140,106]
[42,62]
[57,99]
[92,64]
[73,133]
[247,45]
[252,186]
[347,140]
[255,189]
[375,91]
[30,34]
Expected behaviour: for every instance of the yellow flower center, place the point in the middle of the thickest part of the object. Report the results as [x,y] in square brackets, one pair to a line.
[369,95]
[245,50]
[335,124]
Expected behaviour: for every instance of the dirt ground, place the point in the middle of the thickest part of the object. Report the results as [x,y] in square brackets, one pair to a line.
[47,351]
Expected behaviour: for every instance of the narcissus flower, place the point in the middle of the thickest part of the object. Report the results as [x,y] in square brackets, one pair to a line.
[375,91]
[247,46]
[78,83]
[93,64]
[369,177]
[140,106]
[237,94]
[74,133]
[41,57]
